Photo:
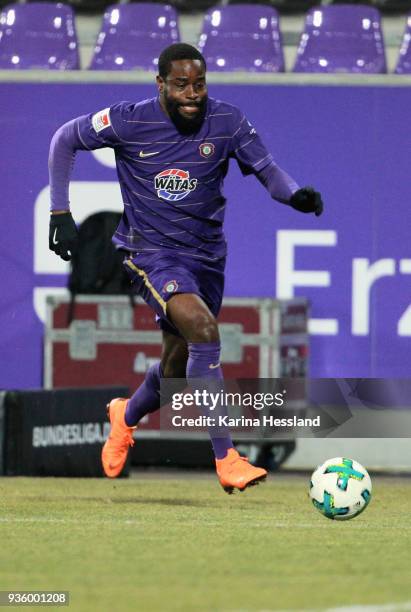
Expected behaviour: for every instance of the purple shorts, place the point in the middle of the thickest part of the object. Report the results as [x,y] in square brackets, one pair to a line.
[157,277]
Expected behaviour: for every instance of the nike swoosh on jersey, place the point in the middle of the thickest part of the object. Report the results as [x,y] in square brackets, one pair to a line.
[213,367]
[142,154]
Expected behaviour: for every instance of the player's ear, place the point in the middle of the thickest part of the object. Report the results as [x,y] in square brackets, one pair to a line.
[160,83]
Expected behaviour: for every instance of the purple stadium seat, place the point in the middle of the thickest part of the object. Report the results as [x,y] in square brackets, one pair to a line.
[133,36]
[38,35]
[342,38]
[404,60]
[242,37]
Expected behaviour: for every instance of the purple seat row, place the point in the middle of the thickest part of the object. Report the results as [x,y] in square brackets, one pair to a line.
[336,38]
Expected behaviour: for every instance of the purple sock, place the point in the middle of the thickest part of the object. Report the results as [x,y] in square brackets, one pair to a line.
[204,362]
[147,397]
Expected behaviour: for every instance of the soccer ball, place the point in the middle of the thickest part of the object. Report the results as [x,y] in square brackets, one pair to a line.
[340,488]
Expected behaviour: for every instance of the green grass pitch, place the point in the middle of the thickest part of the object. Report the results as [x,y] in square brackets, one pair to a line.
[182,544]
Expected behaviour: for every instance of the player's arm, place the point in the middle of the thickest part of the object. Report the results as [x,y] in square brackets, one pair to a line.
[284,189]
[253,158]
[85,133]
[63,234]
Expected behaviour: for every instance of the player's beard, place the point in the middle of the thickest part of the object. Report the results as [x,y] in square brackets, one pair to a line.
[186,125]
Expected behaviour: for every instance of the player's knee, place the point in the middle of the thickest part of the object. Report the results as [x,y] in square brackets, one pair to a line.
[203,328]
[193,319]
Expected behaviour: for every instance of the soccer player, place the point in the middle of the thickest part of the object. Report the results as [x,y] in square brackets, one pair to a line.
[172,154]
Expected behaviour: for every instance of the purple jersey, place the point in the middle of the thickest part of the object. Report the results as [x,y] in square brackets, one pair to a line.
[172,184]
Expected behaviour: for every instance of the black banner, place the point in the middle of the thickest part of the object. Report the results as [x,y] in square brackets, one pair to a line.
[57,432]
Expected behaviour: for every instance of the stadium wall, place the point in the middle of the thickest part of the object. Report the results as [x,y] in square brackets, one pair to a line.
[348,137]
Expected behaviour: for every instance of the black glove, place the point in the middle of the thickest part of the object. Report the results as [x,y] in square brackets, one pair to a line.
[63,235]
[307,200]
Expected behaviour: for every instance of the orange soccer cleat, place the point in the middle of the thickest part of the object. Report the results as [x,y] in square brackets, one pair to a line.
[235,472]
[115,450]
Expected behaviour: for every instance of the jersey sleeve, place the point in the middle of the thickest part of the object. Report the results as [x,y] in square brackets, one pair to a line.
[247,147]
[104,128]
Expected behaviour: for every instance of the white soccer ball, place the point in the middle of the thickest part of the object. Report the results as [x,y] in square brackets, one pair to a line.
[340,488]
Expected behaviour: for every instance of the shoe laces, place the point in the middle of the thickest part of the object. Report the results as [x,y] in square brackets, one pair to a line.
[240,458]
[126,439]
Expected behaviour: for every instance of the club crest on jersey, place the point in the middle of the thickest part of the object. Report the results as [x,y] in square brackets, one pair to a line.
[174,184]
[206,149]
[170,286]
